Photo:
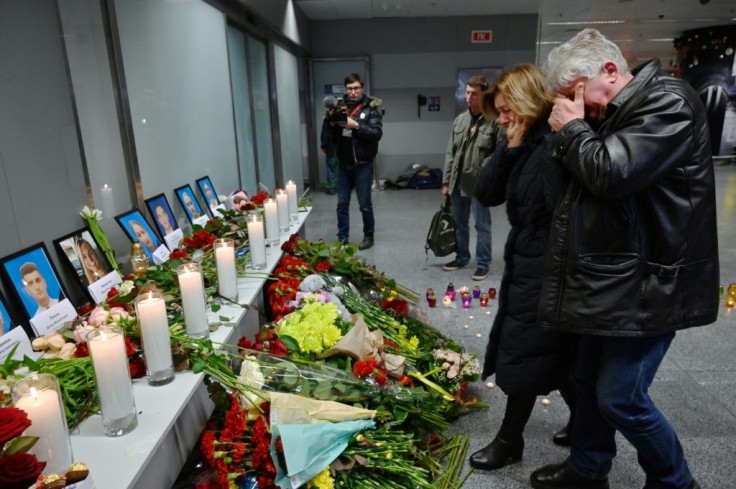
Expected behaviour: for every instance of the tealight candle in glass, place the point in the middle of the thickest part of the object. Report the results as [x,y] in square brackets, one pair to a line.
[282,202]
[150,310]
[476,292]
[484,300]
[107,348]
[432,300]
[39,396]
[467,300]
[257,241]
[227,278]
[193,302]
[492,293]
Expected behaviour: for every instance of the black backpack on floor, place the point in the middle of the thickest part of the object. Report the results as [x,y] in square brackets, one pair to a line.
[441,235]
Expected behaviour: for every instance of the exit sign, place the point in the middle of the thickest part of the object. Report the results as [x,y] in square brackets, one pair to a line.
[481,36]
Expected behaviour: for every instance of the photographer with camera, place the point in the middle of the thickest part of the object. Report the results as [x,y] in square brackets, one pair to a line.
[356,130]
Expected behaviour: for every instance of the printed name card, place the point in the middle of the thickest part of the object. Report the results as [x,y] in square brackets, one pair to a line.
[201,221]
[99,289]
[16,336]
[49,321]
[161,255]
[217,209]
[173,239]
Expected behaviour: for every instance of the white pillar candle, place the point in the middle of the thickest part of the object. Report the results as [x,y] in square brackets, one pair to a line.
[283,206]
[293,204]
[107,349]
[257,241]
[192,300]
[38,396]
[151,312]
[226,274]
[107,201]
[270,209]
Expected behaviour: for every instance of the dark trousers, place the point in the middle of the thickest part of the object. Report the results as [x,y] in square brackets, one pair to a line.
[359,177]
[613,376]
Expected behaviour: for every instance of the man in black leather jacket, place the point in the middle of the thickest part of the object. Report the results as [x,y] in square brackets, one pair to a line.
[356,145]
[633,252]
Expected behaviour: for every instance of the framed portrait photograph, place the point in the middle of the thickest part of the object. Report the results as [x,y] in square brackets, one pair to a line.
[6,322]
[189,203]
[31,276]
[207,191]
[138,230]
[163,218]
[83,255]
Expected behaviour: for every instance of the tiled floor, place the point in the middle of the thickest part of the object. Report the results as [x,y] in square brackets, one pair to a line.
[695,386]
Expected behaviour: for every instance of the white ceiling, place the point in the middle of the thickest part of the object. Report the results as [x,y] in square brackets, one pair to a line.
[647,30]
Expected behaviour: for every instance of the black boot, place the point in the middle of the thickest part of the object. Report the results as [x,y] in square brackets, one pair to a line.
[562,437]
[508,445]
[497,454]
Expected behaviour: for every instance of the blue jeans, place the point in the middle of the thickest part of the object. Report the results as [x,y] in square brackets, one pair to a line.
[613,376]
[330,164]
[461,207]
[359,177]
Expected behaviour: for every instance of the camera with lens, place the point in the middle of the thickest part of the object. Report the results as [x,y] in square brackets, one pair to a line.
[337,111]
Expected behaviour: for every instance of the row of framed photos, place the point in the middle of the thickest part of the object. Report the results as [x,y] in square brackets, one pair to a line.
[32,278]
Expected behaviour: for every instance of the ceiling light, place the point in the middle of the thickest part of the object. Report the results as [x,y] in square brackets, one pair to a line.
[587,22]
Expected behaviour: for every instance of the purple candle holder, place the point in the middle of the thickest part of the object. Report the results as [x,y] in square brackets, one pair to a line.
[476,292]
[467,300]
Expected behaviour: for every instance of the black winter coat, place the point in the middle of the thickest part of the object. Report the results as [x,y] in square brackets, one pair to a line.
[633,248]
[526,358]
[362,147]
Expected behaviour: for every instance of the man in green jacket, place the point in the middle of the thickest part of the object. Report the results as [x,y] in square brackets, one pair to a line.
[473,139]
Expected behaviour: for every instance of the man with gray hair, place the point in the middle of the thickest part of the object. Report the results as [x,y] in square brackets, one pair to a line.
[633,251]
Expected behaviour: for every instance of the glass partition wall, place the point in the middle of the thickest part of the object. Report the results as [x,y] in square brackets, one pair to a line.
[135,98]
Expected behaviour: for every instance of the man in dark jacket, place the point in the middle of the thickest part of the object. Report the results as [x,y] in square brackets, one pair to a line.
[356,143]
[633,252]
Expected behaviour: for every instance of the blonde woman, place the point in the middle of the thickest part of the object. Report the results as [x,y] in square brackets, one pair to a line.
[527,359]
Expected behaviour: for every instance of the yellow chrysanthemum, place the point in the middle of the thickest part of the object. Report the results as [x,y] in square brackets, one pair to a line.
[323,480]
[313,327]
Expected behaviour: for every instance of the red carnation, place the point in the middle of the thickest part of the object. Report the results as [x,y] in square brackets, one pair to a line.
[13,422]
[179,254]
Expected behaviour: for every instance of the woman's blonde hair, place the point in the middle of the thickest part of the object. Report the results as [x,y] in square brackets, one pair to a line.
[525,90]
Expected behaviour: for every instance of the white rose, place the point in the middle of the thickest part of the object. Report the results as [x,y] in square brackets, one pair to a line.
[80,332]
[98,316]
[118,313]
[126,287]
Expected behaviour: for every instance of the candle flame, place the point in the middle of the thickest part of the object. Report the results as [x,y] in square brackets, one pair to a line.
[34,393]
[150,295]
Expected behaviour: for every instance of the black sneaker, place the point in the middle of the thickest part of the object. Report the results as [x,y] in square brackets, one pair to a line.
[453,265]
[480,274]
[366,243]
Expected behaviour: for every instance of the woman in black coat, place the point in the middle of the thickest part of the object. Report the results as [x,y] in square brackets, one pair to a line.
[527,359]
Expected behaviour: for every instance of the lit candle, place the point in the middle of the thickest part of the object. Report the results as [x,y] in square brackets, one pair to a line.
[192,300]
[151,312]
[257,241]
[450,292]
[291,193]
[226,274]
[38,395]
[467,300]
[484,300]
[107,349]
[270,209]
[107,201]
[283,205]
